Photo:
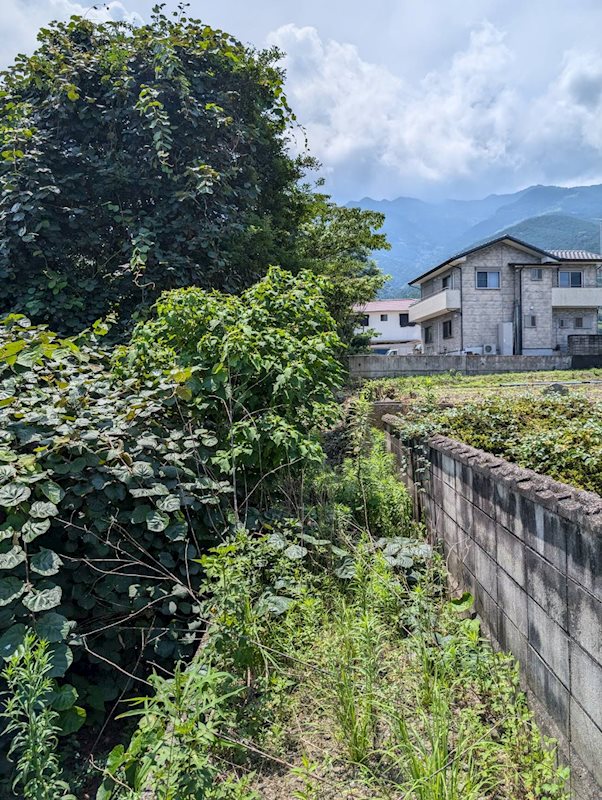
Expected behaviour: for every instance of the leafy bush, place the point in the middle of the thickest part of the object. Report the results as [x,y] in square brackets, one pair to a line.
[557,436]
[112,486]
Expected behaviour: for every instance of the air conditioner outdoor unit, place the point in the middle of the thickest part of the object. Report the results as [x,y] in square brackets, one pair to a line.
[489,349]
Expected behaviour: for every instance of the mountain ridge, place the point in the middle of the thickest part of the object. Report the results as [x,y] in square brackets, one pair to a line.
[423,234]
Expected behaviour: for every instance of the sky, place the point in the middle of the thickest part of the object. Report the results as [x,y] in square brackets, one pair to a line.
[422,98]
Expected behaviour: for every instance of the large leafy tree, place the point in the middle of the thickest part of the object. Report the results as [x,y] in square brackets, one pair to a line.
[135,159]
[338,242]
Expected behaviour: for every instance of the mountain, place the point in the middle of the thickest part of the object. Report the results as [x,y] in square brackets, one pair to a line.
[422,234]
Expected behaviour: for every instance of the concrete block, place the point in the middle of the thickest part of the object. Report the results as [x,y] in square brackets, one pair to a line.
[549,537]
[448,469]
[464,512]
[584,555]
[511,555]
[510,638]
[549,640]
[464,476]
[506,506]
[545,685]
[586,683]
[483,497]
[585,620]
[483,531]
[586,739]
[512,600]
[485,571]
[486,608]
[547,586]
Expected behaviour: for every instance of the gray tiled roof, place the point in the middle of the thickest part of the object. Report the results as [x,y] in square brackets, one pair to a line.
[576,255]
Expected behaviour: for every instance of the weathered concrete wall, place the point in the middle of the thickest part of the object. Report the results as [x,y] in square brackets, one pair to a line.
[585,345]
[369,366]
[530,550]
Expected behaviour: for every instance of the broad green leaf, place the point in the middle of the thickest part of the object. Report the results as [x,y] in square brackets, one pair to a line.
[11,639]
[71,720]
[63,697]
[61,658]
[10,589]
[43,600]
[52,491]
[462,603]
[12,558]
[169,503]
[42,510]
[53,627]
[295,551]
[142,470]
[34,528]
[157,521]
[14,493]
[46,562]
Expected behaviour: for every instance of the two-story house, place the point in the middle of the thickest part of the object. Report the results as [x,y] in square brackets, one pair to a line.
[394,332]
[508,297]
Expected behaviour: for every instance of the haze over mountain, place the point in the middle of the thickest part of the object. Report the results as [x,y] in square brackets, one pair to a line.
[422,234]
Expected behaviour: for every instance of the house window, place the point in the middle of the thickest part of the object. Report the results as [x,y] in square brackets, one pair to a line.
[446,282]
[530,321]
[488,280]
[582,322]
[384,317]
[404,320]
[562,323]
[447,329]
[537,274]
[428,335]
[570,280]
[365,320]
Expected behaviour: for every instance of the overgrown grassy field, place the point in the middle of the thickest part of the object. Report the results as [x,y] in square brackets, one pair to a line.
[335,665]
[557,433]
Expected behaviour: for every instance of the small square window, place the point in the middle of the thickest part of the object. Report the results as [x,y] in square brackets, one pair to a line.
[384,317]
[579,322]
[428,335]
[537,274]
[446,282]
[562,323]
[404,320]
[530,321]
[447,329]
[365,320]
[488,280]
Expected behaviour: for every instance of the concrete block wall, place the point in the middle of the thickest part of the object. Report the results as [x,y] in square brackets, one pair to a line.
[374,366]
[530,550]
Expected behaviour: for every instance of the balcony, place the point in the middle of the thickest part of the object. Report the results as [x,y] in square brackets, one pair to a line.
[435,305]
[582,297]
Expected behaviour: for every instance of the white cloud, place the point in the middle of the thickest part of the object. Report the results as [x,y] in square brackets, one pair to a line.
[363,120]
[469,125]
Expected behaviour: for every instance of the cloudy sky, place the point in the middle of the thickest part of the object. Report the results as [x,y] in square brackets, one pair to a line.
[429,98]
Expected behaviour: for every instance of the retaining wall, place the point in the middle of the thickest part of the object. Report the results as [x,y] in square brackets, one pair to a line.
[371,366]
[530,550]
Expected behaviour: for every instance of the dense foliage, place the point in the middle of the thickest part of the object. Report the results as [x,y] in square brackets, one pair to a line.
[314,682]
[338,242]
[139,158]
[554,434]
[112,485]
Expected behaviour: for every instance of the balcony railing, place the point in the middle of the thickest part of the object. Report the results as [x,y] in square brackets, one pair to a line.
[583,297]
[435,305]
